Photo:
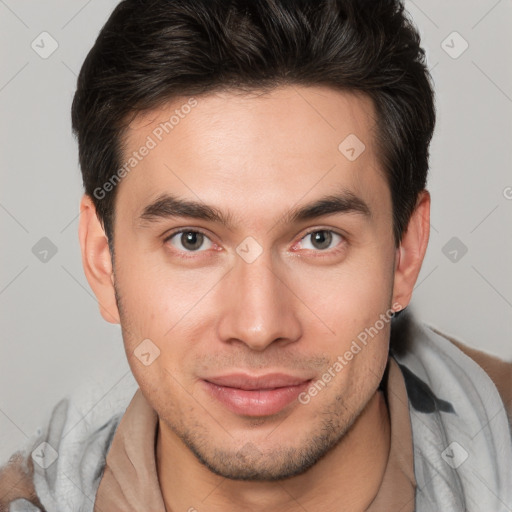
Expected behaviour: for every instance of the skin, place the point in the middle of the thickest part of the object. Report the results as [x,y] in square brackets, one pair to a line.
[294,309]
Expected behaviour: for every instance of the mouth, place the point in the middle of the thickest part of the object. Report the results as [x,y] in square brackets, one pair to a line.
[255,395]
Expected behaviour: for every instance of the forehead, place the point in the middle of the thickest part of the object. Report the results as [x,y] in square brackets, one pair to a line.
[242,150]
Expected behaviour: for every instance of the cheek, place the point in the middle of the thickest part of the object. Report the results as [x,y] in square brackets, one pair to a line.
[154,295]
[163,305]
[352,294]
[350,301]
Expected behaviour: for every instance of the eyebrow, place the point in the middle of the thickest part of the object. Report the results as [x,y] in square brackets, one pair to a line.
[168,206]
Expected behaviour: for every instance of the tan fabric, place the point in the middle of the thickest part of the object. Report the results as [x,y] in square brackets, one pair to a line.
[398,485]
[130,480]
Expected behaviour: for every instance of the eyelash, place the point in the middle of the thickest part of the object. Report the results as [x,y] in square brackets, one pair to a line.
[185,254]
[329,252]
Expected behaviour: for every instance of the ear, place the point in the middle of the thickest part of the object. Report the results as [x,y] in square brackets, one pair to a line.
[96,260]
[411,252]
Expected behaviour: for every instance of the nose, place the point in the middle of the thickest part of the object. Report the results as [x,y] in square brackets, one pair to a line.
[258,306]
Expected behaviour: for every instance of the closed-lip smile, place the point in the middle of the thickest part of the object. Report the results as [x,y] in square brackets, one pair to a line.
[256,395]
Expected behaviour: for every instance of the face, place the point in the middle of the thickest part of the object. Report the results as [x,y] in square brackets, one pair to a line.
[250,300]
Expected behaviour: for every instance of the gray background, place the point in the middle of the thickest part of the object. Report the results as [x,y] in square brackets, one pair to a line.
[54,341]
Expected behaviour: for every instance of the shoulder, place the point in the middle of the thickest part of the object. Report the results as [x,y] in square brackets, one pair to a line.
[404,329]
[499,371]
[39,482]
[79,430]
[17,475]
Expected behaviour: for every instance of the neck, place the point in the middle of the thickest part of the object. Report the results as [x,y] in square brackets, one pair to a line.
[347,478]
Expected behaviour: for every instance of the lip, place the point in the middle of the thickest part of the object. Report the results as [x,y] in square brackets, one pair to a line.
[260,395]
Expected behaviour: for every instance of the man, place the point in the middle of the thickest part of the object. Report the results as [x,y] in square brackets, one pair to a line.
[255,218]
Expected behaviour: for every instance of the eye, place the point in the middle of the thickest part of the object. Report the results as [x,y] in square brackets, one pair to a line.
[189,240]
[321,240]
